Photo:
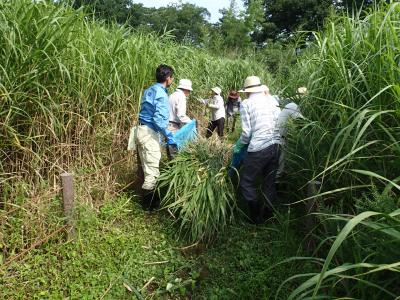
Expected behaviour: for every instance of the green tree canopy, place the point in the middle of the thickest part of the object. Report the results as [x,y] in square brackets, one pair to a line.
[109,10]
[284,17]
[234,28]
[187,21]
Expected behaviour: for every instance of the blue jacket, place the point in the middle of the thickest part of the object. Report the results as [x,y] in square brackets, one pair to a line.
[154,109]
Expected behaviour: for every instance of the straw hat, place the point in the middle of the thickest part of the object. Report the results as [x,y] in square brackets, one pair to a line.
[233,95]
[185,84]
[216,90]
[252,84]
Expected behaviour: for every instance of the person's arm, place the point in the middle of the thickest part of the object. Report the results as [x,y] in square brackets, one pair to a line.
[201,100]
[181,110]
[246,125]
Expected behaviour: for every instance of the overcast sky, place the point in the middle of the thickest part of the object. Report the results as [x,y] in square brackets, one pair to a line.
[213,6]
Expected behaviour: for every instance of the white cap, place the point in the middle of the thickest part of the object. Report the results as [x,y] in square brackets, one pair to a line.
[185,84]
[216,90]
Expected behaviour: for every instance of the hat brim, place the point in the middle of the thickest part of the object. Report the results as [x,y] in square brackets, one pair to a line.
[215,91]
[185,88]
[255,89]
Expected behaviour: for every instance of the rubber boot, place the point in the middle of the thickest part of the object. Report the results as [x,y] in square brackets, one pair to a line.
[150,200]
[256,212]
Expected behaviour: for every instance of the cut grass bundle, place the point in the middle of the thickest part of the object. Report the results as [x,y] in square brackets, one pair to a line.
[197,191]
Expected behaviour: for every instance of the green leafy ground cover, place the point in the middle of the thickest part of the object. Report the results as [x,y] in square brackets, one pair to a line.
[121,252]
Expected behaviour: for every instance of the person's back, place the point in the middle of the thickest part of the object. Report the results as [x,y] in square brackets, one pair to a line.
[259,117]
[154,110]
[290,111]
[177,105]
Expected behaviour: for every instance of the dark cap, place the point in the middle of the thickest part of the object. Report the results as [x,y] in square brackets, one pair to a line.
[233,95]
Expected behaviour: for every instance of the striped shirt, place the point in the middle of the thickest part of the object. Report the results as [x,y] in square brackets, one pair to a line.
[259,114]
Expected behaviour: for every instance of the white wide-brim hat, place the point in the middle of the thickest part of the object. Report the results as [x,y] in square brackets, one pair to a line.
[252,84]
[185,84]
[216,90]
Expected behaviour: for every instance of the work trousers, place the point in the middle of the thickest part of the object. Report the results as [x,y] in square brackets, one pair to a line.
[219,124]
[149,149]
[231,122]
[262,163]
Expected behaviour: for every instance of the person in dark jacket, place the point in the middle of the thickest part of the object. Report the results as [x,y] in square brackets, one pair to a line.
[232,110]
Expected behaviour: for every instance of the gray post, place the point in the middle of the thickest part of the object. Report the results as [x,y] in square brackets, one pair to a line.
[67,182]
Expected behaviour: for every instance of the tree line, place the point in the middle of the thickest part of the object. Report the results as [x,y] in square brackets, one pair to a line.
[260,22]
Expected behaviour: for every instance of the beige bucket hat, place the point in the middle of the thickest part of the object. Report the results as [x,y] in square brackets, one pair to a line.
[252,84]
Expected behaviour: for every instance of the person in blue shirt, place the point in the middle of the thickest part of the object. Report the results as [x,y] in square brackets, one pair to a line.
[153,122]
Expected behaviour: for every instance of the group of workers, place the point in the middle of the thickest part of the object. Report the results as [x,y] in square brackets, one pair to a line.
[263,131]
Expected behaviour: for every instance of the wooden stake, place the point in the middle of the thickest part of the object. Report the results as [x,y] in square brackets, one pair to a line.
[67,182]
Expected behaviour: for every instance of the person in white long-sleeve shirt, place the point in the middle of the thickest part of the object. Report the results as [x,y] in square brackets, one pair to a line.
[177,105]
[259,114]
[289,112]
[216,103]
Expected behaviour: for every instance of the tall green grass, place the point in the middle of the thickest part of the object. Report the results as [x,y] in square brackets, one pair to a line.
[70,87]
[350,142]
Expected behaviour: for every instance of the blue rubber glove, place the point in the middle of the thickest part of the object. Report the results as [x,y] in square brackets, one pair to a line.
[238,146]
[170,139]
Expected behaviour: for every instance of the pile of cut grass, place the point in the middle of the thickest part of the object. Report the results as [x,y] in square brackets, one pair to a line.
[196,189]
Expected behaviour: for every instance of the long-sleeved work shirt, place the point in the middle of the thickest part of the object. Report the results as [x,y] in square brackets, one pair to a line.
[217,107]
[177,108]
[259,114]
[154,109]
[290,111]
